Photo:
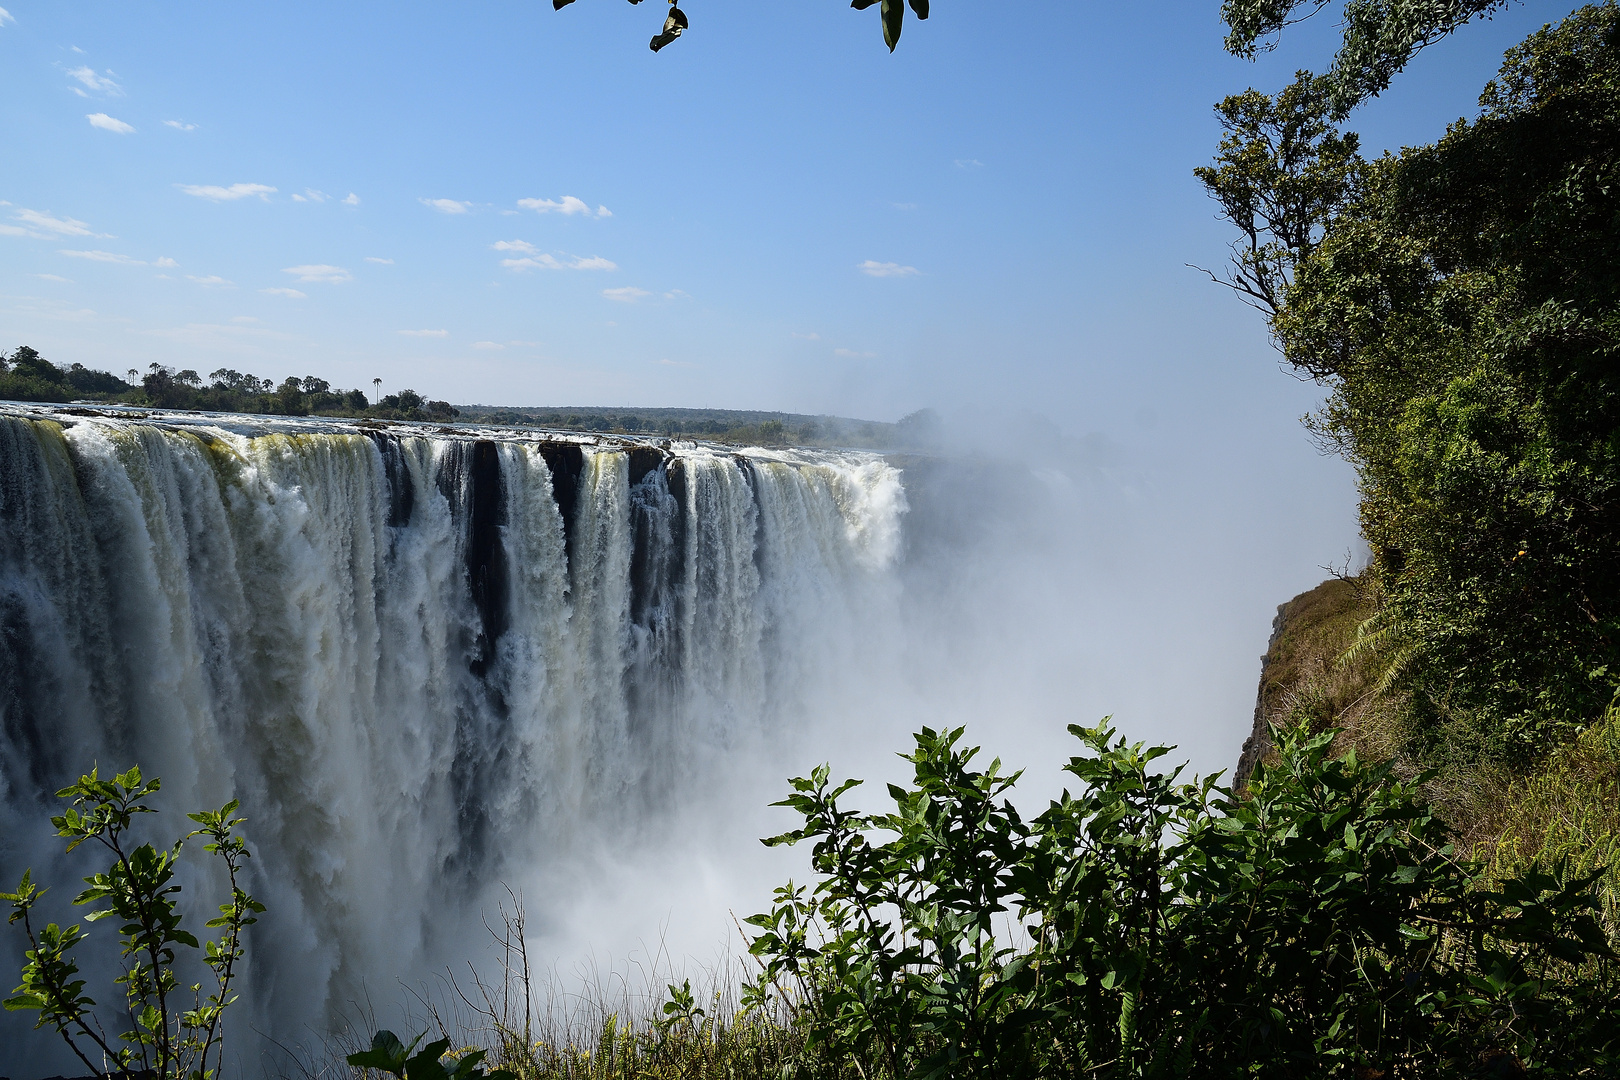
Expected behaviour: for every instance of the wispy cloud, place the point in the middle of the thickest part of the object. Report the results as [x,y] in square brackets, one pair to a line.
[212,280]
[551,262]
[101,84]
[629,294]
[180,125]
[487,345]
[332,275]
[667,362]
[852,354]
[311,195]
[121,260]
[351,199]
[5,17]
[812,336]
[291,294]
[424,333]
[514,245]
[969,163]
[34,220]
[566,205]
[447,206]
[215,193]
[54,277]
[107,123]
[872,268]
[375,259]
[106,257]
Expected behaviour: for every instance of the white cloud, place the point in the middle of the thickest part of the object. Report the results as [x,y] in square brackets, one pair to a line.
[6,17]
[854,355]
[812,336]
[106,123]
[877,269]
[50,223]
[291,294]
[215,193]
[567,205]
[311,195]
[375,259]
[424,333]
[629,294]
[54,277]
[319,272]
[351,199]
[969,163]
[487,345]
[18,230]
[550,262]
[106,257]
[677,294]
[180,125]
[101,84]
[514,245]
[165,263]
[210,280]
[447,206]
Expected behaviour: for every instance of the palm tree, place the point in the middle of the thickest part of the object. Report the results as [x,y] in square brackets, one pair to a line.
[376,394]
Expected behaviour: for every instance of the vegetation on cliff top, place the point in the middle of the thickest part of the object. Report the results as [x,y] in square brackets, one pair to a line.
[1460,304]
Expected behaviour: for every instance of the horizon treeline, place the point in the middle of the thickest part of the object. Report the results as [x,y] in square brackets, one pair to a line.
[25,375]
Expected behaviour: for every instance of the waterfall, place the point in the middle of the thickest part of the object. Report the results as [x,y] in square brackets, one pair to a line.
[424,659]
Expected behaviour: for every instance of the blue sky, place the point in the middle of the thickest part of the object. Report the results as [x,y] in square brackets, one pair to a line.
[496,202]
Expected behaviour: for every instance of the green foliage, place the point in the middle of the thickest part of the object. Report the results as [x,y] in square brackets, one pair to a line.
[1282,173]
[1462,305]
[1380,36]
[1147,927]
[892,14]
[391,1056]
[165,1038]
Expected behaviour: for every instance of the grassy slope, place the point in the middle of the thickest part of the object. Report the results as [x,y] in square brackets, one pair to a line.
[1567,806]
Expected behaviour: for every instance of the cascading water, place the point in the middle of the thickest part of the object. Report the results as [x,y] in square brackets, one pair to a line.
[424,659]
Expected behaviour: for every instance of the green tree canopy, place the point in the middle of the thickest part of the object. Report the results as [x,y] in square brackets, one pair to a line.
[1461,302]
[1380,36]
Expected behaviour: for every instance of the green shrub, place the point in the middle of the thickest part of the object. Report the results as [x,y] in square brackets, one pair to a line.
[166,1037]
[1319,925]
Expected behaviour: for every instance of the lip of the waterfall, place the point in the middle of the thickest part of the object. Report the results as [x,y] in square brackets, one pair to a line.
[253,425]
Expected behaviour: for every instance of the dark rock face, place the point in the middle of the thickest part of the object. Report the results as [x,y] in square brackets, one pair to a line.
[566,462]
[1304,676]
[1259,744]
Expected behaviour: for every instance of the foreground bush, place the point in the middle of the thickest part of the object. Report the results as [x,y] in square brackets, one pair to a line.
[1320,925]
[167,1037]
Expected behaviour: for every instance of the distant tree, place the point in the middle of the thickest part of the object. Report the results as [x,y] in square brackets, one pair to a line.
[87,381]
[312,385]
[376,390]
[355,401]
[290,398]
